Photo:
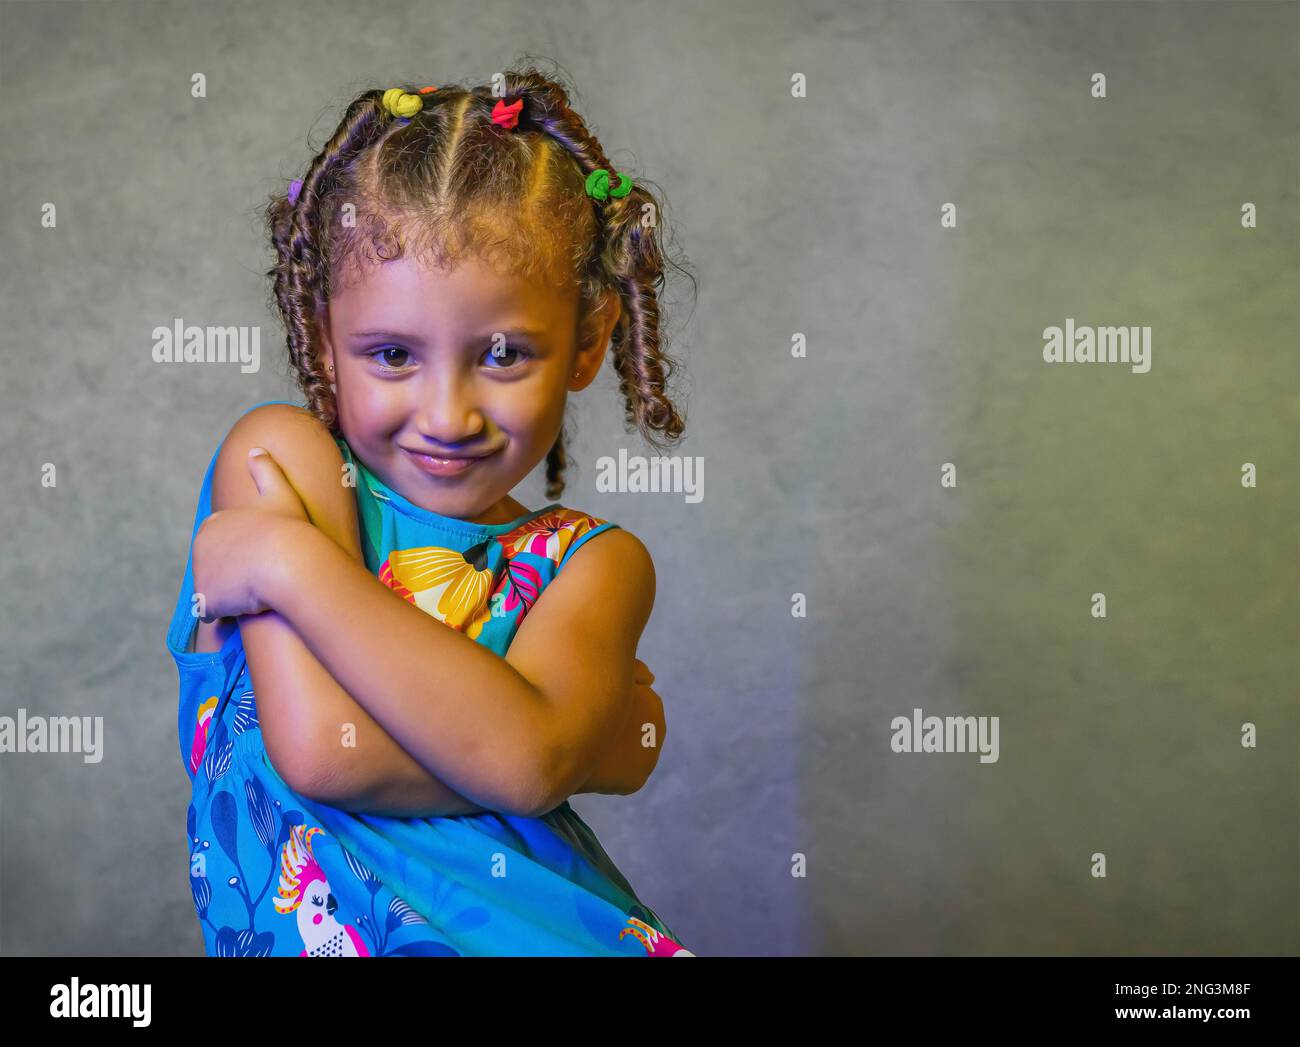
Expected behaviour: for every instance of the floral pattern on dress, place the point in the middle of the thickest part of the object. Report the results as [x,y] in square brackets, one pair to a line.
[549,535]
[450,585]
[466,590]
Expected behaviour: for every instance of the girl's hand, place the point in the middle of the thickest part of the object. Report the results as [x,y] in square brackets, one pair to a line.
[233,547]
[626,765]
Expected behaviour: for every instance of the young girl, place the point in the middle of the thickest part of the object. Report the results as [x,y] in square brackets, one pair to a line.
[365,780]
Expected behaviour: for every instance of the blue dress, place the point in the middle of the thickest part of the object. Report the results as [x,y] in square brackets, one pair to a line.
[273,873]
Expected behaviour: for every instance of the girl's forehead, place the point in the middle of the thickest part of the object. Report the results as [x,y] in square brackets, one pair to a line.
[472,291]
[469,274]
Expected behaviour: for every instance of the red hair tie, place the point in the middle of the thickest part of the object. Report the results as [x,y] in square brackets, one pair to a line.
[507,116]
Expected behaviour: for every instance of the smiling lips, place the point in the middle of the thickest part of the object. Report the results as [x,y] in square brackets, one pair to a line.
[444,466]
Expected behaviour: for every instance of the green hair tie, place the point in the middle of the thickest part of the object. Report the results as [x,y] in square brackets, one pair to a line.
[598,185]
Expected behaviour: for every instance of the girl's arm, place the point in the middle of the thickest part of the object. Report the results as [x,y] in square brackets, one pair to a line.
[304,711]
[631,757]
[516,734]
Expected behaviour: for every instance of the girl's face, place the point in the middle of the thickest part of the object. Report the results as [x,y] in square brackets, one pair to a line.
[418,378]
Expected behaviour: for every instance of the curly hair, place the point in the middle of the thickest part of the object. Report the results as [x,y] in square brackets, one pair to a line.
[448,181]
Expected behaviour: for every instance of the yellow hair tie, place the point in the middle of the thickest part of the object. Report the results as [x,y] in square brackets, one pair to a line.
[400,103]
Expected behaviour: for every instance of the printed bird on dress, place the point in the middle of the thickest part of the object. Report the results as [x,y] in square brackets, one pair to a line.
[304,889]
[656,944]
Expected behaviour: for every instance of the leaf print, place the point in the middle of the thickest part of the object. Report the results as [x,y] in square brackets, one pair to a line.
[201,889]
[361,871]
[403,912]
[521,583]
[225,824]
[231,942]
[261,812]
[423,949]
[216,760]
[245,713]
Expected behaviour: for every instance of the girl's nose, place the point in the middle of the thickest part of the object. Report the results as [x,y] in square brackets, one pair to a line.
[449,416]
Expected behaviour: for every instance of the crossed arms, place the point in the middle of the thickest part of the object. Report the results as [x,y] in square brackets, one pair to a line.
[368,703]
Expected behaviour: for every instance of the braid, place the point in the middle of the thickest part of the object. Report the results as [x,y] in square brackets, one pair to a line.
[300,277]
[556,461]
[629,259]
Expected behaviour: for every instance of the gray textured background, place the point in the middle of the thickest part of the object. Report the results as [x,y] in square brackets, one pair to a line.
[816,215]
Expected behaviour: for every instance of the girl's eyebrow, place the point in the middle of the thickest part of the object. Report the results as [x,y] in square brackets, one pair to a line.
[413,339]
[398,335]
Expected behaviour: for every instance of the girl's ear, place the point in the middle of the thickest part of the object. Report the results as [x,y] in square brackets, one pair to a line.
[595,331]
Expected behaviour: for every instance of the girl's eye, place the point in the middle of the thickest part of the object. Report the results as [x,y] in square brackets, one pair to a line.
[392,364]
[501,360]
[504,354]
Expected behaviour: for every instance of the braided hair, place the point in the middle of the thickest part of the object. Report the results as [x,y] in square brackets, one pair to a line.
[447,181]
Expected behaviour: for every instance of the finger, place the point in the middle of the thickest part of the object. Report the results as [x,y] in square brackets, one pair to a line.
[263,468]
[642,673]
[271,482]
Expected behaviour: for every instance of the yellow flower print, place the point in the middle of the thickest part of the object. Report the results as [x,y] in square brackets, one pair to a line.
[448,584]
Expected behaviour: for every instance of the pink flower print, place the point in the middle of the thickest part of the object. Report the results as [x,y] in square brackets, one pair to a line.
[200,742]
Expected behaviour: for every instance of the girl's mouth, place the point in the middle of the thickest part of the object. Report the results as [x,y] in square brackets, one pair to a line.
[443,466]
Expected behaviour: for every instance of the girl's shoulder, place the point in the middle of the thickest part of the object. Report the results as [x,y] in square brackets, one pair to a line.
[292,434]
[305,450]
[557,532]
[280,418]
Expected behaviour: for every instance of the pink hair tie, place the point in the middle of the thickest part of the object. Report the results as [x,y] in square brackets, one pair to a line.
[507,116]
